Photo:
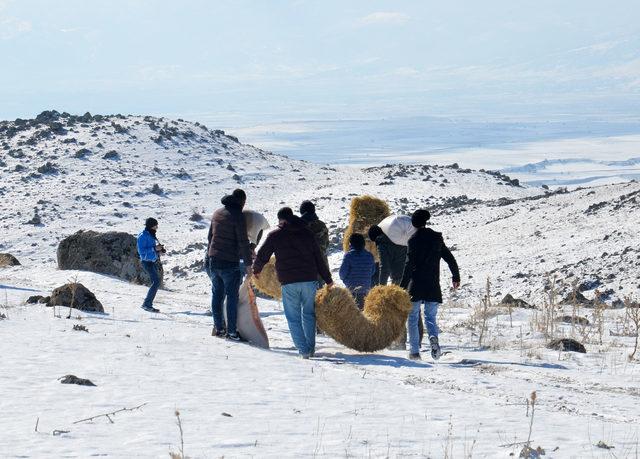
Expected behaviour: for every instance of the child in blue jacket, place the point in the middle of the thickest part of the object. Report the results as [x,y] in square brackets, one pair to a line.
[358,266]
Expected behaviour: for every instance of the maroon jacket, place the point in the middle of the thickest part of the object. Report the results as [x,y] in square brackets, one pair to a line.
[298,256]
[228,240]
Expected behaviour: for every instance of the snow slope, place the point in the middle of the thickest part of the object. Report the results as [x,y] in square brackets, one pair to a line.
[342,403]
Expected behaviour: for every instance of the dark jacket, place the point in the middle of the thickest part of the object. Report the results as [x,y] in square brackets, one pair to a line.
[228,240]
[356,269]
[392,259]
[298,257]
[422,269]
[319,230]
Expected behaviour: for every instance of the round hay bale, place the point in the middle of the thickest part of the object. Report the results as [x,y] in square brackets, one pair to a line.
[267,283]
[365,211]
[385,313]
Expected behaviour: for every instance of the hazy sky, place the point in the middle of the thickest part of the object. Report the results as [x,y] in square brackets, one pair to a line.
[275,59]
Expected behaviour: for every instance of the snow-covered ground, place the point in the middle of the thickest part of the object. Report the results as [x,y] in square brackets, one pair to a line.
[238,401]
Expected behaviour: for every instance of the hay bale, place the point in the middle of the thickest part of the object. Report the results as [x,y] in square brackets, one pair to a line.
[365,212]
[385,313]
[268,283]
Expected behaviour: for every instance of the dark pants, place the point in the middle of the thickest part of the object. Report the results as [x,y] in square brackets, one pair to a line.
[359,294]
[152,269]
[225,282]
[375,279]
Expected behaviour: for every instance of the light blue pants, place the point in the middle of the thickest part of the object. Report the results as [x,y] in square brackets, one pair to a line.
[430,313]
[299,309]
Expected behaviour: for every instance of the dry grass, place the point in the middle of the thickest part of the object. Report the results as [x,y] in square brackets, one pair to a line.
[267,283]
[365,212]
[385,312]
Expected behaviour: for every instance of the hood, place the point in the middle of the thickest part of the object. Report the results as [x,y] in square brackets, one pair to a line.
[294,224]
[309,217]
[231,203]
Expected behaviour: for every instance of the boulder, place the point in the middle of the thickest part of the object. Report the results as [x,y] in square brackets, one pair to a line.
[573,320]
[510,301]
[73,379]
[6,260]
[35,299]
[76,296]
[111,253]
[578,299]
[567,345]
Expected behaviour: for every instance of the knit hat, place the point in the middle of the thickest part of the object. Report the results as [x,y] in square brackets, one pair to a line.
[150,223]
[420,218]
[307,207]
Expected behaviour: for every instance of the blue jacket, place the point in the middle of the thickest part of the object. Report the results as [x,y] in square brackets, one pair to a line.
[147,246]
[357,269]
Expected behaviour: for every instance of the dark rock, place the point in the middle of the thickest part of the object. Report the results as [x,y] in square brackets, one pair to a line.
[76,296]
[510,301]
[48,168]
[112,253]
[573,319]
[567,345]
[38,299]
[6,259]
[111,154]
[577,298]
[83,152]
[155,189]
[72,379]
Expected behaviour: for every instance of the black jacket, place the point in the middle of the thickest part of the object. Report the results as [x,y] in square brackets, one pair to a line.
[422,269]
[298,256]
[228,240]
[392,259]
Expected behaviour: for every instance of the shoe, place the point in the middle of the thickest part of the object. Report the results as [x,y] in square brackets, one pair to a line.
[305,356]
[233,336]
[150,309]
[219,333]
[435,347]
[415,356]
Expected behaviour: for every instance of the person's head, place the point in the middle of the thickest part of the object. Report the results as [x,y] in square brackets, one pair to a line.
[356,241]
[307,207]
[374,232]
[285,215]
[240,196]
[151,224]
[420,218]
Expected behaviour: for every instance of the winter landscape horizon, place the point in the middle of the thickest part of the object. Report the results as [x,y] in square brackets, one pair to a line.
[516,125]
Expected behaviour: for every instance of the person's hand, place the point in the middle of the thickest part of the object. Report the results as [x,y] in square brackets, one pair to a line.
[456,285]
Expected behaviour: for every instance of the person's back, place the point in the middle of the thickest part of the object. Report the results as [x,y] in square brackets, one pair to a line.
[357,268]
[392,259]
[228,240]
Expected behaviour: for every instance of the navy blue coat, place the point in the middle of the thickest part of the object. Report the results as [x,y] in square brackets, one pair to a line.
[357,269]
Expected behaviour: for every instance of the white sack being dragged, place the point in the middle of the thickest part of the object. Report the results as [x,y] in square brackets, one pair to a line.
[256,222]
[398,228]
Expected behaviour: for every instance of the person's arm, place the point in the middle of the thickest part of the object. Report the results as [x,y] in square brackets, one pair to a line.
[244,247]
[324,239]
[409,265]
[448,257]
[321,264]
[264,255]
[147,247]
[345,267]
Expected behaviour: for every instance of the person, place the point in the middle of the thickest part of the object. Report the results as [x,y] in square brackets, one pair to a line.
[228,244]
[422,279]
[392,256]
[148,250]
[357,268]
[317,227]
[299,262]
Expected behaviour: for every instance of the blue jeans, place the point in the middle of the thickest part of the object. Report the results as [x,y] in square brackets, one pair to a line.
[225,283]
[300,310]
[430,312]
[151,268]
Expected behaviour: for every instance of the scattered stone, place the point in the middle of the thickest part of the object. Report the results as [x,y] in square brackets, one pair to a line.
[72,379]
[112,154]
[6,260]
[510,301]
[567,345]
[155,189]
[38,299]
[111,253]
[577,298]
[573,319]
[78,327]
[48,168]
[76,296]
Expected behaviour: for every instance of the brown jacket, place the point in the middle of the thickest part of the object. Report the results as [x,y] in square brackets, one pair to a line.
[298,256]
[228,240]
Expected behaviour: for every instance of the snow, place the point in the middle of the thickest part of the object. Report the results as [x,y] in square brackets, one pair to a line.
[470,403]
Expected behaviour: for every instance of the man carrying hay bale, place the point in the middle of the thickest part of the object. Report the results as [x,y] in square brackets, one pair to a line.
[298,264]
[317,227]
[422,279]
